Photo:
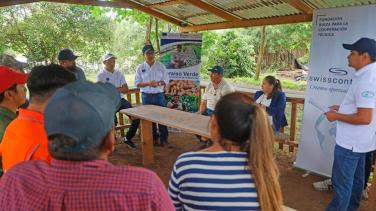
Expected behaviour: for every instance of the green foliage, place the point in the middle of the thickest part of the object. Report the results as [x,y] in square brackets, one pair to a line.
[38,31]
[190,103]
[234,53]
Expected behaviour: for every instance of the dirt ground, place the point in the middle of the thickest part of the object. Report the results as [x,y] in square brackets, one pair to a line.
[297,190]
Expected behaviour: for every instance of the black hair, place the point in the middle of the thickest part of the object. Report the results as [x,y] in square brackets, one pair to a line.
[58,144]
[44,80]
[235,125]
[275,82]
[12,88]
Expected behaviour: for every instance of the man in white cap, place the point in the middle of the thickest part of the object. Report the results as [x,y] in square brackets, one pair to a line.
[110,75]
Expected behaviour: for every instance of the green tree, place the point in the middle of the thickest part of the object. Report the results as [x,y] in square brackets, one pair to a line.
[231,51]
[38,31]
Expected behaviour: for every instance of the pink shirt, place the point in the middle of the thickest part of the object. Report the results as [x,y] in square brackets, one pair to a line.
[81,185]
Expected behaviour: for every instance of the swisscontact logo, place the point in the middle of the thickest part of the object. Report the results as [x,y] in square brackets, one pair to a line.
[338,71]
[368,94]
[336,76]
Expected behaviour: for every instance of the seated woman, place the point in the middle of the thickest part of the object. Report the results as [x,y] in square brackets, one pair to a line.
[273,100]
[238,171]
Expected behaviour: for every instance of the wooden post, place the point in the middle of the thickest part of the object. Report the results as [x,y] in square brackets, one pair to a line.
[280,145]
[147,142]
[293,124]
[121,122]
[138,100]
[372,192]
[261,52]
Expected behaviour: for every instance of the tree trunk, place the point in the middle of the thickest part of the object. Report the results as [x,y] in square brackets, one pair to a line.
[261,52]
[148,31]
[157,37]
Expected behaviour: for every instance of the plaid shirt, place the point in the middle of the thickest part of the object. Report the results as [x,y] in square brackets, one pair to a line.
[86,185]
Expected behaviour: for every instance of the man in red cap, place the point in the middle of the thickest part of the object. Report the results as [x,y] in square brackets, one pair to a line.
[12,95]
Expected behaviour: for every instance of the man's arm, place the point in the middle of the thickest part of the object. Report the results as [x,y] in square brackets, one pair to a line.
[203,106]
[363,116]
[123,89]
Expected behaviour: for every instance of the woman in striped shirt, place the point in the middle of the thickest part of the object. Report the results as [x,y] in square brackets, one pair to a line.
[238,172]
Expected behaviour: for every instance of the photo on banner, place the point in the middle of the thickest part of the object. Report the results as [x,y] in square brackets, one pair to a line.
[181,54]
[329,79]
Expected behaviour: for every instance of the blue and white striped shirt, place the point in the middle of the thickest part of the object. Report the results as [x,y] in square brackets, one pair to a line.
[213,181]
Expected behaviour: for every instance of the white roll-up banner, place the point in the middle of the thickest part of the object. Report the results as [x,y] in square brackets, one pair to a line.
[329,79]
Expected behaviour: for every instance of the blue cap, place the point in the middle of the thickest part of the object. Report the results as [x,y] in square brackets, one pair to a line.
[67,54]
[147,48]
[363,45]
[217,69]
[82,110]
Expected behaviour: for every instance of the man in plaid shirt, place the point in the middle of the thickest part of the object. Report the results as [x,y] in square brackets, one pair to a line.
[79,125]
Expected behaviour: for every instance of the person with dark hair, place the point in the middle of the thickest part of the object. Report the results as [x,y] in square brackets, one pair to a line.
[356,127]
[25,137]
[12,96]
[110,75]
[80,127]
[67,59]
[216,89]
[273,100]
[175,104]
[178,58]
[238,172]
[151,77]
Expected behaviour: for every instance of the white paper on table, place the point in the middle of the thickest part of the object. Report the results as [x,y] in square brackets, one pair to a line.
[319,106]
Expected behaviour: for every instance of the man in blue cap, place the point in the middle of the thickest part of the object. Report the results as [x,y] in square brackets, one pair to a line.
[67,59]
[151,77]
[356,127]
[217,88]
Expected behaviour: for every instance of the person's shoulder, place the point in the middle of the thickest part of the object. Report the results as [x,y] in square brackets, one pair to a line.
[160,65]
[142,174]
[280,94]
[29,168]
[227,84]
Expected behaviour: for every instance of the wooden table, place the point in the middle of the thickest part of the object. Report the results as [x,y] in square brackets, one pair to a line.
[148,114]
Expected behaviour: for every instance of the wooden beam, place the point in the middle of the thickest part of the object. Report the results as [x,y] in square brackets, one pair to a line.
[166,3]
[213,10]
[249,23]
[5,3]
[301,6]
[123,4]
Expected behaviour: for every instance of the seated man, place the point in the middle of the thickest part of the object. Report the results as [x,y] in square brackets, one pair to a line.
[25,137]
[79,125]
[67,59]
[216,89]
[110,75]
[12,96]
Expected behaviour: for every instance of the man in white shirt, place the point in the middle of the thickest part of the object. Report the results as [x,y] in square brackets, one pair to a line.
[110,75]
[356,127]
[151,77]
[217,88]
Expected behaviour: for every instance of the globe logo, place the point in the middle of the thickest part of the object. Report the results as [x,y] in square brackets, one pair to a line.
[325,134]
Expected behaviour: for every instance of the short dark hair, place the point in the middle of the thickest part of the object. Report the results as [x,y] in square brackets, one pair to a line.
[12,88]
[44,80]
[58,144]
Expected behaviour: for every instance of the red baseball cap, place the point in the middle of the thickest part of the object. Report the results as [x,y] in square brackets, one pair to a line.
[9,77]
